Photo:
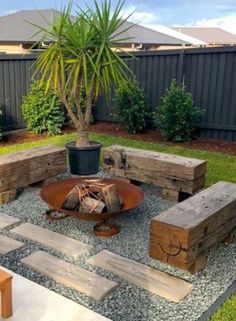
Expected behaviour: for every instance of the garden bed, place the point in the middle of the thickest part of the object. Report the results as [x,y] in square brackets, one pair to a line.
[117,129]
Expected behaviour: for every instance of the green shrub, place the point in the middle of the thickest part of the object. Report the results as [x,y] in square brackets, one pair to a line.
[41,111]
[131,107]
[177,116]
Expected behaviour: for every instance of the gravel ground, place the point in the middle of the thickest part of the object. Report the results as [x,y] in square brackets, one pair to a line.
[127,302]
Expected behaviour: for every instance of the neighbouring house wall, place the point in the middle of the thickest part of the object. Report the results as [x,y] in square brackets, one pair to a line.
[13,49]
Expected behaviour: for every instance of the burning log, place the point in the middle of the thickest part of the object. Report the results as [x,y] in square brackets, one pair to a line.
[93,197]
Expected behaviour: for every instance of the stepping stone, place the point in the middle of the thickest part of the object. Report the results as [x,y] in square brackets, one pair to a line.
[7,220]
[33,302]
[157,282]
[7,244]
[70,275]
[56,241]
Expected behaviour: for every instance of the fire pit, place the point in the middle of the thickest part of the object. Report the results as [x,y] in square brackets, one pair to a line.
[56,193]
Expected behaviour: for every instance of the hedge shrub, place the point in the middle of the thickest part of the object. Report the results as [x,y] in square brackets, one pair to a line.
[177,116]
[41,111]
[131,107]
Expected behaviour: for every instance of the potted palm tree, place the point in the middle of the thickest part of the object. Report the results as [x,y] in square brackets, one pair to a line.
[81,61]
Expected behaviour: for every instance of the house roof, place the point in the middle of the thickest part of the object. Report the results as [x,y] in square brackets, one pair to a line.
[209,35]
[142,35]
[173,33]
[16,28]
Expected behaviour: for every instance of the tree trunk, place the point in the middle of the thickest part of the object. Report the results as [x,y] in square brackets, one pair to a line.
[83,139]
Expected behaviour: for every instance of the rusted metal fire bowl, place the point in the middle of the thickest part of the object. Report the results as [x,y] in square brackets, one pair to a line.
[54,195]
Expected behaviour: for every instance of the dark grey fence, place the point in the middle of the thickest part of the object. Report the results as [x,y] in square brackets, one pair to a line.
[209,74]
[15,78]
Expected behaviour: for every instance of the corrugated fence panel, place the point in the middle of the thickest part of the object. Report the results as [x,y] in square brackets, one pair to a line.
[15,79]
[208,73]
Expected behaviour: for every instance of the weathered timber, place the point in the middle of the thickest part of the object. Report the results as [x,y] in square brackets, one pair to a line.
[167,171]
[144,276]
[111,198]
[8,196]
[182,235]
[30,166]
[70,275]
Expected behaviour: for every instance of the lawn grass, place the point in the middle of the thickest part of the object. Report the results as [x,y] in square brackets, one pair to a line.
[227,311]
[219,166]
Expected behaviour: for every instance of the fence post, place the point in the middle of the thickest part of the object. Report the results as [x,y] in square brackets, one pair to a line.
[181,70]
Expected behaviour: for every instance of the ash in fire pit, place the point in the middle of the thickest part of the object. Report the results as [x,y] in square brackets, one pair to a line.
[93,196]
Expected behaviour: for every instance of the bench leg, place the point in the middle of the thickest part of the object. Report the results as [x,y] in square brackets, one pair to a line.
[199,264]
[174,196]
[7,299]
[8,196]
[231,238]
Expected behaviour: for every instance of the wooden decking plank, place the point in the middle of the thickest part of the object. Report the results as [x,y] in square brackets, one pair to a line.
[157,282]
[70,275]
[7,220]
[7,244]
[56,241]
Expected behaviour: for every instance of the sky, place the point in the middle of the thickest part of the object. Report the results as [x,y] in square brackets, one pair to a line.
[171,13]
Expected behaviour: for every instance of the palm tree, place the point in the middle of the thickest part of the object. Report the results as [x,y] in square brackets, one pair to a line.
[82,59]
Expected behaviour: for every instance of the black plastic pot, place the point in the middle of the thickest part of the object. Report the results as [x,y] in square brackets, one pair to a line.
[84,160]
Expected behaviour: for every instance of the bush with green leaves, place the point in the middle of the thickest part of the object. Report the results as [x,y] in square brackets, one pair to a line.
[41,111]
[131,106]
[177,116]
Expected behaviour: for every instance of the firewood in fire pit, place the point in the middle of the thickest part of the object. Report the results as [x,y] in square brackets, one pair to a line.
[89,205]
[72,200]
[93,197]
[111,198]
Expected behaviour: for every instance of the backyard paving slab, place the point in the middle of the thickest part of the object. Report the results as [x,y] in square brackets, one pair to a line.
[160,283]
[52,239]
[70,275]
[7,244]
[7,220]
[33,302]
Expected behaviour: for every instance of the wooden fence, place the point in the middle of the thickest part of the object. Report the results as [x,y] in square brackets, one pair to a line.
[208,73]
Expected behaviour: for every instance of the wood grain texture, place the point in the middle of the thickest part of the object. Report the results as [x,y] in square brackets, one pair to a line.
[70,275]
[7,220]
[187,230]
[56,241]
[157,282]
[23,168]
[8,245]
[165,170]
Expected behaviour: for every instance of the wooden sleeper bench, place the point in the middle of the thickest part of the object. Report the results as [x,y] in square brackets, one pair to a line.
[182,235]
[178,176]
[30,166]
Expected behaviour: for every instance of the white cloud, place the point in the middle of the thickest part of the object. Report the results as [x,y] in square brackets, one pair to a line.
[225,22]
[138,16]
[7,12]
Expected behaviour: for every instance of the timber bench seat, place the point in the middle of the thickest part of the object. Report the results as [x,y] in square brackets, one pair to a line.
[29,166]
[182,235]
[178,176]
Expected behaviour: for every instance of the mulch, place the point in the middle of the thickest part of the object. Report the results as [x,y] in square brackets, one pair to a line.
[116,129]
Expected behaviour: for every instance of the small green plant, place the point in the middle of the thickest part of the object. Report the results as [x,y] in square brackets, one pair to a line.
[131,106]
[41,111]
[177,116]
